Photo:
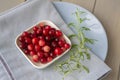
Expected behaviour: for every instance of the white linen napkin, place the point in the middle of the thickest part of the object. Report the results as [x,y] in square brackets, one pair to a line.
[17,67]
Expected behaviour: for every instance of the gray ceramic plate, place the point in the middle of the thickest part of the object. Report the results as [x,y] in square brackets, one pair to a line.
[97,32]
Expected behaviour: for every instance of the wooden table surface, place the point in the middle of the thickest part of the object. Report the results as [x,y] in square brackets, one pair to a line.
[108,12]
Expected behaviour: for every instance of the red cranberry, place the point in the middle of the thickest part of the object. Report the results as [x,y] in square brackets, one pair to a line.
[48,27]
[58,33]
[61,43]
[22,46]
[35,28]
[63,49]
[32,53]
[48,43]
[35,58]
[53,29]
[26,51]
[52,32]
[27,40]
[41,37]
[56,39]
[39,31]
[43,60]
[35,40]
[30,47]
[58,51]
[52,55]
[62,39]
[46,48]
[49,59]
[41,25]
[37,47]
[46,54]
[54,44]
[41,42]
[47,38]
[45,31]
[32,35]
[25,34]
[21,38]
[40,54]
[66,45]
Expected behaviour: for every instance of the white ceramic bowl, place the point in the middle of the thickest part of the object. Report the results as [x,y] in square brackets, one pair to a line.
[29,58]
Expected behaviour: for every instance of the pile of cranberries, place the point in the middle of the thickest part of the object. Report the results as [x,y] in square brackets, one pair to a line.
[43,43]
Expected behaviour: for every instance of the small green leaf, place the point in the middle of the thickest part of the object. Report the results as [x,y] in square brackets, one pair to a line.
[71,24]
[78,66]
[82,12]
[71,36]
[91,41]
[86,69]
[85,29]
[81,55]
[83,19]
[74,45]
[87,55]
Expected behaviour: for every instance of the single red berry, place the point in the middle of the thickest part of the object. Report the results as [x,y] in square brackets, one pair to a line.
[35,28]
[46,54]
[58,51]
[60,43]
[41,42]
[30,47]
[25,33]
[35,40]
[54,44]
[35,58]
[63,49]
[41,37]
[56,39]
[43,60]
[48,27]
[52,55]
[40,54]
[22,46]
[45,31]
[27,40]
[62,39]
[48,43]
[21,39]
[53,29]
[32,53]
[26,51]
[58,33]
[46,48]
[49,59]
[47,38]
[41,25]
[52,32]
[37,47]
[32,35]
[67,46]
[39,31]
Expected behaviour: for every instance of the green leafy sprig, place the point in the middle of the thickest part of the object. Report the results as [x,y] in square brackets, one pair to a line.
[79,52]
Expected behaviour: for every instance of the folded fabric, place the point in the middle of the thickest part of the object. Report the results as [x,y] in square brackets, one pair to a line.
[16,67]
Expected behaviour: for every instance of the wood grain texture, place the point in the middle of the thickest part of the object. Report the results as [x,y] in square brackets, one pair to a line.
[88,4]
[108,11]
[119,73]
[7,4]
